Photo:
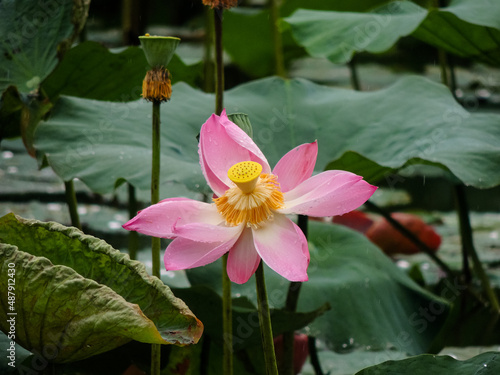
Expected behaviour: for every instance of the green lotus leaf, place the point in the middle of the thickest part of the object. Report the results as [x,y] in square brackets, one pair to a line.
[35,35]
[91,71]
[102,143]
[373,303]
[253,52]
[338,35]
[467,28]
[484,364]
[76,296]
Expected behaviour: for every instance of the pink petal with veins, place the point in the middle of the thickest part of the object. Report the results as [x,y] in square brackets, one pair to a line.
[243,259]
[327,194]
[283,247]
[223,144]
[202,232]
[159,220]
[183,253]
[296,165]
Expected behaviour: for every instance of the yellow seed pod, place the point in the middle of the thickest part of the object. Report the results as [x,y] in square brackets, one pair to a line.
[245,175]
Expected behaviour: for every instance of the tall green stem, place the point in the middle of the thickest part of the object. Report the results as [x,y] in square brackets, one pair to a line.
[219,63]
[133,236]
[266,330]
[72,203]
[292,300]
[155,182]
[155,242]
[227,317]
[227,320]
[443,67]
[279,60]
[208,63]
[354,74]
[468,246]
[405,232]
[313,354]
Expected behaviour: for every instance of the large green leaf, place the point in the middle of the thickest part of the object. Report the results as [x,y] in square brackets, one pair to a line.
[253,51]
[466,28]
[478,12]
[338,35]
[484,364]
[90,70]
[445,28]
[35,34]
[76,294]
[103,143]
[373,303]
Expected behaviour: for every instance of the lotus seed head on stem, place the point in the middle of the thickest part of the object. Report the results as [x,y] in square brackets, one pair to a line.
[221,4]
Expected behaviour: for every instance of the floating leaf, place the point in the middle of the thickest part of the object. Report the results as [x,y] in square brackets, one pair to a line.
[106,142]
[35,34]
[103,143]
[80,297]
[373,303]
[484,364]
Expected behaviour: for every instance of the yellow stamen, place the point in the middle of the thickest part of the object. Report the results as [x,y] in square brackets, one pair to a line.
[245,175]
[255,202]
[156,86]
[222,4]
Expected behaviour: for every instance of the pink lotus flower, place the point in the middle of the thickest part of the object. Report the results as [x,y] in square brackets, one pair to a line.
[248,217]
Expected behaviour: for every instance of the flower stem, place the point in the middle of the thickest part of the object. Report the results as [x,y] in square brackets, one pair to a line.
[219,63]
[133,236]
[155,197]
[279,60]
[354,74]
[72,203]
[227,317]
[208,63]
[227,320]
[155,182]
[422,246]
[313,354]
[292,300]
[468,246]
[443,66]
[266,330]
